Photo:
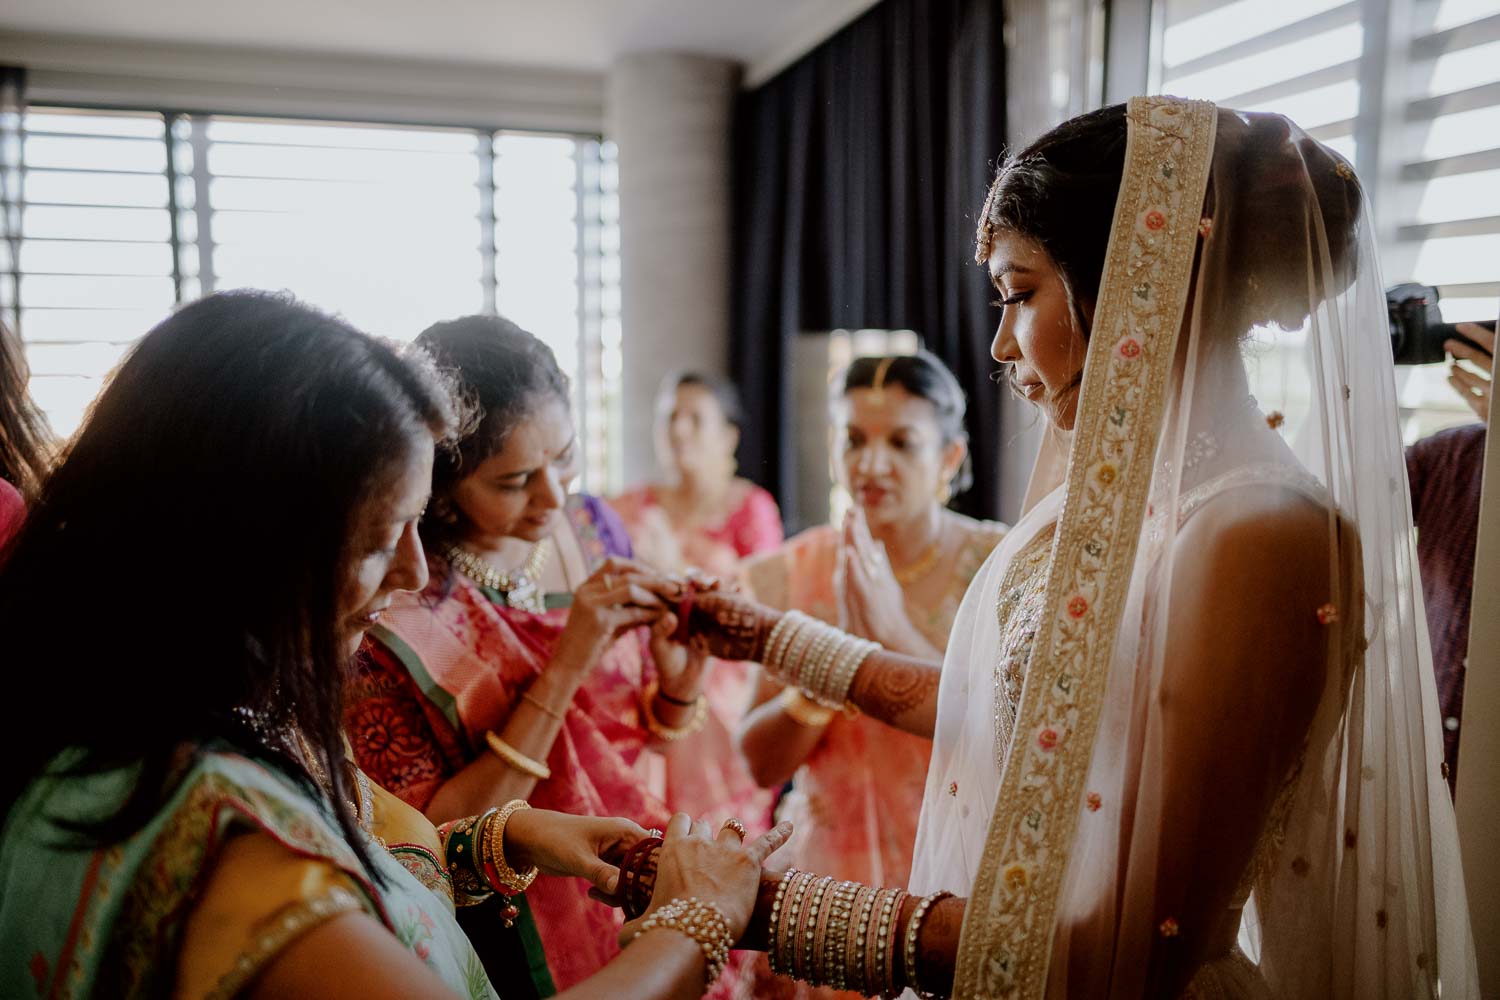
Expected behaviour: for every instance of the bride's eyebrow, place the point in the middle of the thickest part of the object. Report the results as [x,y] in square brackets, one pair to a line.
[1007,268]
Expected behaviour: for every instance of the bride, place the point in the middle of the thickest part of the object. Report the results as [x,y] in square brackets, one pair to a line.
[1185,736]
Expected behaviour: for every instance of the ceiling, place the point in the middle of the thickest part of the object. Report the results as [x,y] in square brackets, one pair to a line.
[564,34]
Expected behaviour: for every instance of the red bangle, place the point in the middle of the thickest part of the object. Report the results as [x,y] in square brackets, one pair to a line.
[684,612]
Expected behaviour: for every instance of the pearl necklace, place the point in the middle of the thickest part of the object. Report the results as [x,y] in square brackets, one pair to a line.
[520,587]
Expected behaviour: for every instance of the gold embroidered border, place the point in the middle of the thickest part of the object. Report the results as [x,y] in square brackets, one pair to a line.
[1006,945]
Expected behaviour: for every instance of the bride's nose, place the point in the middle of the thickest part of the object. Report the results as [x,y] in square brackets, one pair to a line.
[1004,347]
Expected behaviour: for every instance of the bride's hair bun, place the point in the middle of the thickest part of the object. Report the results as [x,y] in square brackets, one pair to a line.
[1291,196]
[1285,212]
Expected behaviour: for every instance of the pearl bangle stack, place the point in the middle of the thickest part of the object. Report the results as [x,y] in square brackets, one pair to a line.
[815,657]
[702,921]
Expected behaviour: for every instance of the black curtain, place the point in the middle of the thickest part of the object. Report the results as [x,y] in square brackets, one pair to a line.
[859,173]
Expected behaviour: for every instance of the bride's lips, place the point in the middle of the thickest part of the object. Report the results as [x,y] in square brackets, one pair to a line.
[869,496]
[1030,389]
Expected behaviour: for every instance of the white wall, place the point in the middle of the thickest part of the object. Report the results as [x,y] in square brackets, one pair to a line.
[671,115]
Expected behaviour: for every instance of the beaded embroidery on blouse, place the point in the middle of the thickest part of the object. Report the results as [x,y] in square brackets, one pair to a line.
[1018,610]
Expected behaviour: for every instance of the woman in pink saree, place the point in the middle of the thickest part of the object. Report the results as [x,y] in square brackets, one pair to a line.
[895,573]
[533,680]
[705,519]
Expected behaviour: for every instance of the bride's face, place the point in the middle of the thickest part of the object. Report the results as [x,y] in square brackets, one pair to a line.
[1037,336]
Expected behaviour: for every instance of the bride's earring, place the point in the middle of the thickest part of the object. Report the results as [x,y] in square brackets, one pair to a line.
[944,493]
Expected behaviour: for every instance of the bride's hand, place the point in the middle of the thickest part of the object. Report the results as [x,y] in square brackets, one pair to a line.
[681,668]
[729,626]
[572,846]
[716,869]
[619,596]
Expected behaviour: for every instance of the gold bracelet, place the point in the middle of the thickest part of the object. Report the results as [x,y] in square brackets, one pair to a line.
[516,759]
[511,881]
[803,710]
[541,705]
[704,922]
[667,733]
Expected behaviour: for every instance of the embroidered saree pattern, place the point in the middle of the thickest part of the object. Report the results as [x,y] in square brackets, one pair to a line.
[134,901]
[444,668]
[1006,940]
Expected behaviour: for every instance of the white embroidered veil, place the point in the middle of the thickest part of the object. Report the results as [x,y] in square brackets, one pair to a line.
[1238,367]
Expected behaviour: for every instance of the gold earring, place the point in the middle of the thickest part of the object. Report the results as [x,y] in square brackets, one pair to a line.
[944,493]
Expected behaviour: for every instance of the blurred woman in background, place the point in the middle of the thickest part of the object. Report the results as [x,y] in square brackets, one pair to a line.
[895,573]
[705,518]
[25,437]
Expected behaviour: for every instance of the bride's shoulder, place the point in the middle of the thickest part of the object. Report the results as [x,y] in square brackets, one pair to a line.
[1266,538]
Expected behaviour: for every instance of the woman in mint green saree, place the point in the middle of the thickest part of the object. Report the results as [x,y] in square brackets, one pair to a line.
[188,823]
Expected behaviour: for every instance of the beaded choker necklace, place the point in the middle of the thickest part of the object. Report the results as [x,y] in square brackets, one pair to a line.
[521,587]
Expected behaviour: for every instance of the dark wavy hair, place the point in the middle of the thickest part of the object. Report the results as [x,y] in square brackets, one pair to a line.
[177,582]
[925,376]
[501,373]
[1060,192]
[25,436]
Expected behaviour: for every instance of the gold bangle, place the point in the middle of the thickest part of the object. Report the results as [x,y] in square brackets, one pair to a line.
[668,733]
[511,881]
[515,758]
[803,710]
[541,705]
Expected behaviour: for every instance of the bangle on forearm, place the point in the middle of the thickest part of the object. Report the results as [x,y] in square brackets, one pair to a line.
[816,657]
[803,711]
[542,706]
[702,921]
[638,877]
[504,878]
[515,758]
[913,929]
[840,934]
[464,858]
[671,734]
[679,702]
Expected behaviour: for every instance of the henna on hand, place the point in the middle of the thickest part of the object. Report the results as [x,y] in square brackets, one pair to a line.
[728,626]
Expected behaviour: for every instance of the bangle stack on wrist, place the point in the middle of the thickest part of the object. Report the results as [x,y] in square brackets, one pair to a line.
[475,851]
[845,935]
[815,658]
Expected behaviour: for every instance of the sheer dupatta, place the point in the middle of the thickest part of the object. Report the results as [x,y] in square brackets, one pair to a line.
[1241,261]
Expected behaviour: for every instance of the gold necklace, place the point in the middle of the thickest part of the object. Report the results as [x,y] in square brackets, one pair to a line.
[921,566]
[520,587]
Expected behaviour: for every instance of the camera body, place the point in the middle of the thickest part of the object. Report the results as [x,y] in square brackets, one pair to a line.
[1417,327]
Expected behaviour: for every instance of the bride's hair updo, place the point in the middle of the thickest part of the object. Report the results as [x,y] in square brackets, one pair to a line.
[1060,192]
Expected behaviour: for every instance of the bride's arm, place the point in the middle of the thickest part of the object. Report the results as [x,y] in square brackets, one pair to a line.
[898,690]
[1242,674]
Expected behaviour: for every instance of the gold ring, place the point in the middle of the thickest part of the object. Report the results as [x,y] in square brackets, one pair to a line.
[733,824]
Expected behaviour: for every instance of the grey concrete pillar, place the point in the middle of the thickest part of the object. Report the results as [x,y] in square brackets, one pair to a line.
[670,114]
